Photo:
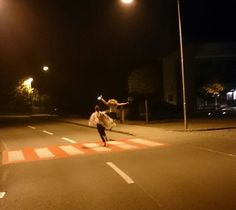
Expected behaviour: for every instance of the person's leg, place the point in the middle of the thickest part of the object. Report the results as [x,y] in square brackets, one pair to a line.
[101,131]
[104,136]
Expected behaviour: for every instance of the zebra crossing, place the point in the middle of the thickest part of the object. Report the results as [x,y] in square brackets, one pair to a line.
[64,151]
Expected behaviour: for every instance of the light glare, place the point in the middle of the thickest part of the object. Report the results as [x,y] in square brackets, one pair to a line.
[127,1]
[28,81]
[45,68]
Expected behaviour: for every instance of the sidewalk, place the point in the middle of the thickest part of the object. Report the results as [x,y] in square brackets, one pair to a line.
[170,128]
[140,128]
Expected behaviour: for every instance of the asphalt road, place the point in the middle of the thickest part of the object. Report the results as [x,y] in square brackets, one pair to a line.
[197,172]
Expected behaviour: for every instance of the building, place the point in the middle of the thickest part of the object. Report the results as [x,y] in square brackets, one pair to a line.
[203,63]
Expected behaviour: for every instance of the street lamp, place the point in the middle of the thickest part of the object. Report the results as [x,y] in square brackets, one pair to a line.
[181,58]
[45,68]
[127,1]
[182,66]
[27,83]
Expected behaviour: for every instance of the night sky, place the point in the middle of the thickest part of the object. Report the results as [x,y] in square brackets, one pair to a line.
[91,46]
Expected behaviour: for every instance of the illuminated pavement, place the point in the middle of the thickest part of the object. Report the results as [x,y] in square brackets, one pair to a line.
[165,129]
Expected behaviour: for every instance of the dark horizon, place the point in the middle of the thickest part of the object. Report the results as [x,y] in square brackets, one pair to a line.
[92,46]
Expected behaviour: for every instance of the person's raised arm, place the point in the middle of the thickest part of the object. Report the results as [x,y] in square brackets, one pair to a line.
[105,102]
[122,104]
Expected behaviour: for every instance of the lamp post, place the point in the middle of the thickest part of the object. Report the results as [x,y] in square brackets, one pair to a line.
[182,67]
[181,58]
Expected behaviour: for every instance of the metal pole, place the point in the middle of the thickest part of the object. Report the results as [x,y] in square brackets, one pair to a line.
[182,67]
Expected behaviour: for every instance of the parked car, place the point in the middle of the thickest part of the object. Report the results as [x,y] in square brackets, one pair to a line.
[222,111]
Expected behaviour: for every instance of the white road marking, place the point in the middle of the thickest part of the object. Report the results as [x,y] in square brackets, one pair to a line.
[96,147]
[216,152]
[47,132]
[69,140]
[101,149]
[2,194]
[122,145]
[16,156]
[120,172]
[32,127]
[44,153]
[71,150]
[146,142]
[91,145]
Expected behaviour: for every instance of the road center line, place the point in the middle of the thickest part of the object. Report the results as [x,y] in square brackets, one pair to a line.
[47,132]
[69,140]
[120,172]
[32,127]
[2,194]
[216,152]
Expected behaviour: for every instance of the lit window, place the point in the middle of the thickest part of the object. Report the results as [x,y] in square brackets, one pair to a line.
[234,97]
[229,96]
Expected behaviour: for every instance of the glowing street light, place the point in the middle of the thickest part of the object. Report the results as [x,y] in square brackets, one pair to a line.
[45,68]
[27,84]
[181,58]
[127,1]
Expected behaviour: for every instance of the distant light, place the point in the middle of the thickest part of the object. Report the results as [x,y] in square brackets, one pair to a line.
[127,1]
[45,68]
[229,96]
[223,113]
[28,81]
[209,114]
[234,96]
[100,97]
[27,84]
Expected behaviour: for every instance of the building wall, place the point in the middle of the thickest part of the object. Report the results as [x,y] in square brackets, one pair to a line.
[200,63]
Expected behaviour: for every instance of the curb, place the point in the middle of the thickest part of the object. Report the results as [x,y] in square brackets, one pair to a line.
[206,129]
[179,130]
[83,125]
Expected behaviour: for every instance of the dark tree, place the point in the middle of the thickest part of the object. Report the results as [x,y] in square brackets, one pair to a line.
[144,82]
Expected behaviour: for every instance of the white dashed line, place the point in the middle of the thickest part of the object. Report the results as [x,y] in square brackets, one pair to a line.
[69,140]
[47,132]
[2,194]
[32,127]
[120,172]
[216,152]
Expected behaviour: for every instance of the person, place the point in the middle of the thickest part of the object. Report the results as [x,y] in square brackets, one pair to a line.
[101,121]
[113,105]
